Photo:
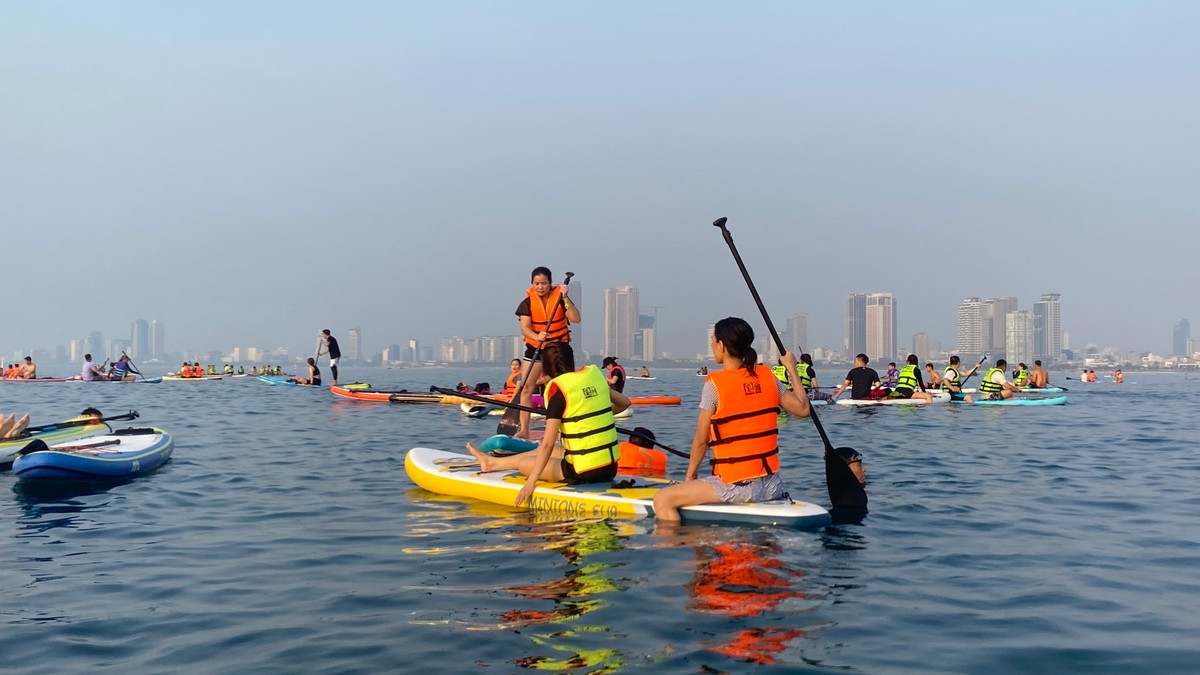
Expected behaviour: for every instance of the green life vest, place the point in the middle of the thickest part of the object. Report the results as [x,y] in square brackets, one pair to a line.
[949,379]
[781,374]
[801,369]
[588,431]
[988,387]
[906,381]
[1022,378]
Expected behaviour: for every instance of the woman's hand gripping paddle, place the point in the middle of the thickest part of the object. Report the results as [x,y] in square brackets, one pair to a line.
[510,423]
[845,490]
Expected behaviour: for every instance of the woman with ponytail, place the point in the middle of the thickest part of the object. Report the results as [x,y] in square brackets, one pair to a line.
[739,420]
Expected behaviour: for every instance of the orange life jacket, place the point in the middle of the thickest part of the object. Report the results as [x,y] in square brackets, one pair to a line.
[744,430]
[1091,377]
[539,317]
[510,385]
[636,459]
[195,371]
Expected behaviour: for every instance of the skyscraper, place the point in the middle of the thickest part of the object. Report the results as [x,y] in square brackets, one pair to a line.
[1047,328]
[1018,339]
[922,347]
[1182,333]
[620,321]
[994,313]
[95,346]
[970,329]
[158,345]
[881,326]
[797,333]
[354,346]
[139,340]
[856,324]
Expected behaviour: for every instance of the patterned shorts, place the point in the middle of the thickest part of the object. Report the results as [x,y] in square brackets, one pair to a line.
[762,489]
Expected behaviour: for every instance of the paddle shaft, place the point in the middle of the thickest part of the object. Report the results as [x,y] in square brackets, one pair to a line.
[518,406]
[131,415]
[964,380]
[720,222]
[132,368]
[506,422]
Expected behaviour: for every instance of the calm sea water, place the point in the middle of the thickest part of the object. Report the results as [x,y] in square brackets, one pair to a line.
[284,536]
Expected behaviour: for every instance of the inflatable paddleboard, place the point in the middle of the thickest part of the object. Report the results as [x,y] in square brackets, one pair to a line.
[1057,400]
[938,397]
[122,454]
[455,474]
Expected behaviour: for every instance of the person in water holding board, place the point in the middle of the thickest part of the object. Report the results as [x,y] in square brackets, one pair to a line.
[543,323]
[909,383]
[862,381]
[579,408]
[739,420]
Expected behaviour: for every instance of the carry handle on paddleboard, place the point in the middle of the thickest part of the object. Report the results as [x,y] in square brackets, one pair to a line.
[508,425]
[849,492]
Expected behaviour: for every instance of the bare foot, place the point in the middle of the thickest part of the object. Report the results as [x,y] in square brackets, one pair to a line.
[968,399]
[485,460]
[6,424]
[522,434]
[20,428]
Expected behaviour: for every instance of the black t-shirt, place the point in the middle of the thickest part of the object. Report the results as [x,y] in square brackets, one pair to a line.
[556,407]
[861,380]
[523,309]
[334,352]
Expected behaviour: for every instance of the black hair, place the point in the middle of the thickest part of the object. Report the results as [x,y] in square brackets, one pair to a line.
[865,359]
[806,359]
[912,360]
[1037,363]
[558,358]
[543,271]
[954,360]
[738,338]
[1000,363]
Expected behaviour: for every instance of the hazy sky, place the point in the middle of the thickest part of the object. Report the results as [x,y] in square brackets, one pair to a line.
[249,173]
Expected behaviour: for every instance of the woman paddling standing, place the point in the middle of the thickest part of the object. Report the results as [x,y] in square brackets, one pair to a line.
[543,323]
[739,420]
[580,407]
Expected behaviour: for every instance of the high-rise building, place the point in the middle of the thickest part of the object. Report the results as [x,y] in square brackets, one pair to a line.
[414,351]
[1182,333]
[706,353]
[1047,328]
[1192,347]
[95,346]
[139,340]
[353,351]
[1018,337]
[620,321]
[856,324]
[797,334]
[158,345]
[881,326]
[922,347]
[994,313]
[970,329]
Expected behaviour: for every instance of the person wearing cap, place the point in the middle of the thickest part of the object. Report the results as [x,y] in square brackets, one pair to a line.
[616,374]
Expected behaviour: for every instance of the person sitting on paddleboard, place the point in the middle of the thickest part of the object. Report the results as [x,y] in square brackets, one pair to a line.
[28,369]
[994,386]
[616,374]
[1118,376]
[579,408]
[739,420]
[514,377]
[935,380]
[891,376]
[862,381]
[542,322]
[909,383]
[1040,379]
[952,379]
[1091,376]
[643,372]
[241,370]
[1021,375]
[314,374]
[91,372]
[808,377]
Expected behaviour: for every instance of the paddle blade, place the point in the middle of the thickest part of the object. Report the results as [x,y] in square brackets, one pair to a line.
[36,445]
[845,491]
[510,423]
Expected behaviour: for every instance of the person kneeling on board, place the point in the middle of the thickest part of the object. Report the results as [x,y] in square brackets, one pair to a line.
[909,383]
[994,386]
[739,420]
[579,408]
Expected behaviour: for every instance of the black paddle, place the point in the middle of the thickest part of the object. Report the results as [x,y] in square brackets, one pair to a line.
[38,445]
[973,370]
[131,415]
[132,368]
[845,492]
[510,423]
[519,407]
